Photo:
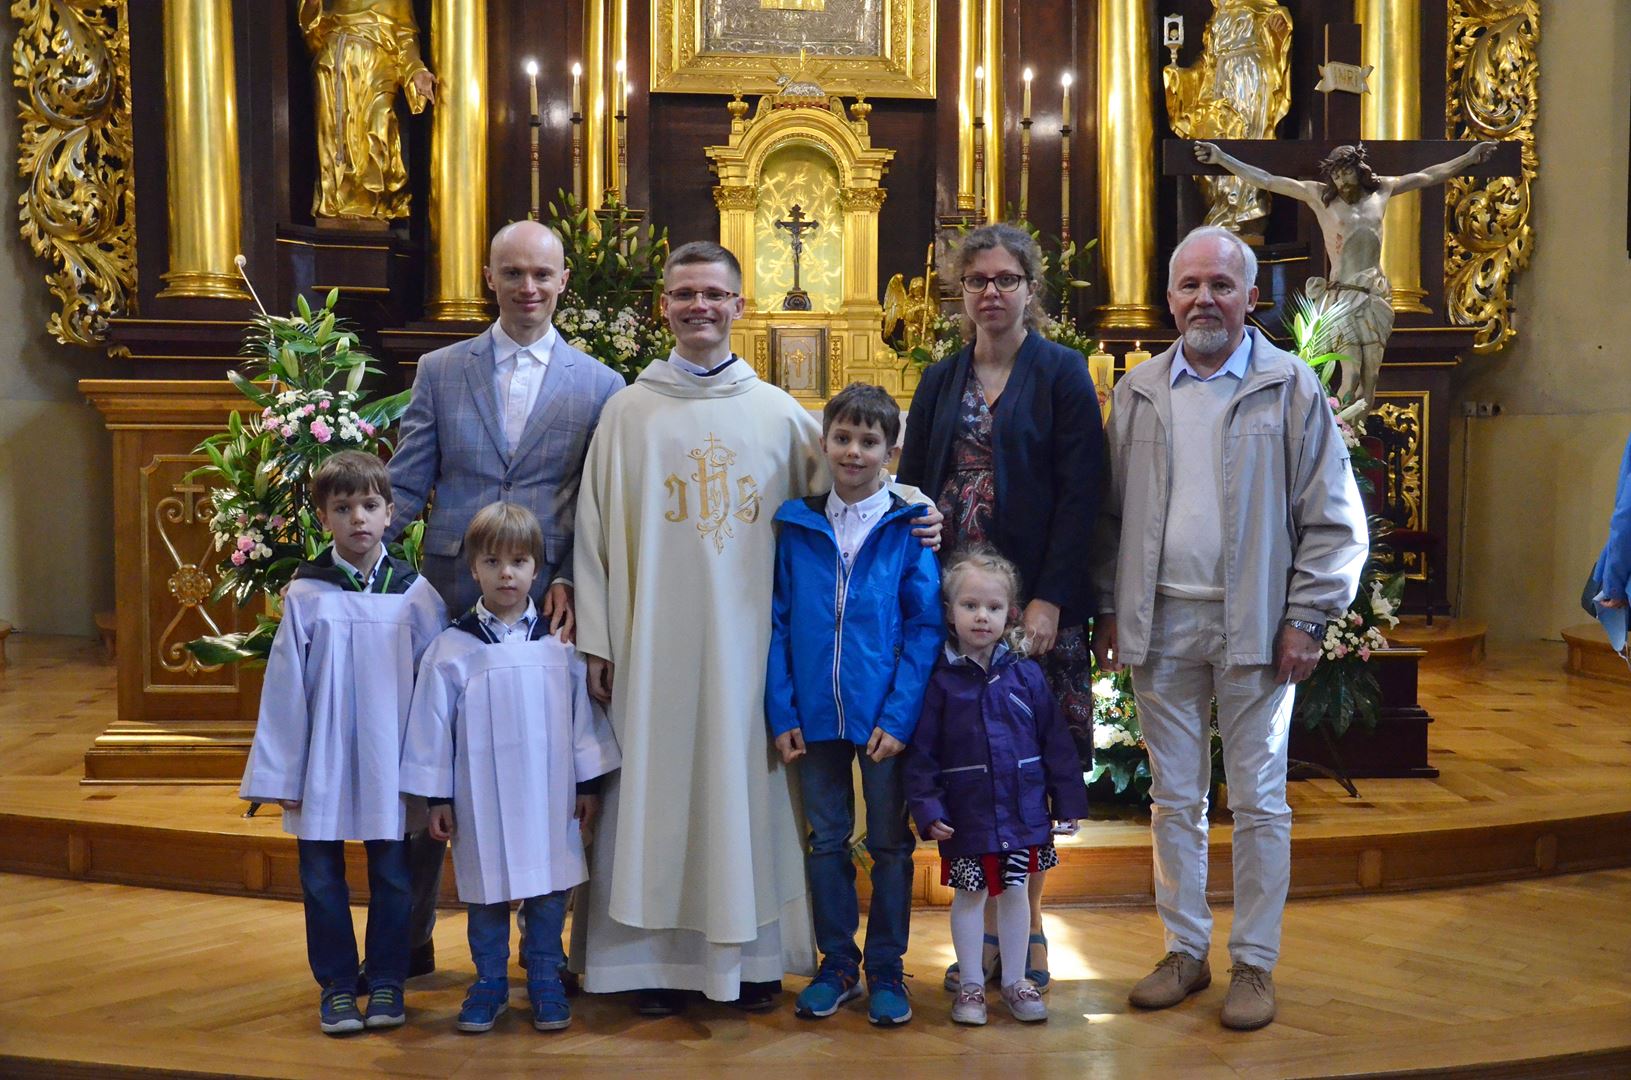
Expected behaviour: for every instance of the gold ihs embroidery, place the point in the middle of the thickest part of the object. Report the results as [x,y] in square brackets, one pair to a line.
[712,477]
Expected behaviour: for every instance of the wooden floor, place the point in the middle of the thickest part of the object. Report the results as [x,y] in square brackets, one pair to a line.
[107,980]
[1535,778]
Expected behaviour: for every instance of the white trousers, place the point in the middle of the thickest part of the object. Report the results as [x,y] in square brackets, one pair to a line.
[1186,671]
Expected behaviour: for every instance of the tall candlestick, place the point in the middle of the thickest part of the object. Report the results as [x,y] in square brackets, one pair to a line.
[979,144]
[1025,152]
[1064,158]
[623,144]
[614,180]
[577,134]
[534,122]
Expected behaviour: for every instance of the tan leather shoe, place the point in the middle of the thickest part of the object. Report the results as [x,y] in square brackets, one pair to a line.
[1249,1004]
[1176,977]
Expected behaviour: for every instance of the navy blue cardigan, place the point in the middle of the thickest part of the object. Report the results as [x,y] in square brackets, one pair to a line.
[1048,446]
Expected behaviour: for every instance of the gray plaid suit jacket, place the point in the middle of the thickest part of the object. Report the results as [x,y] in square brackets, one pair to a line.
[452,443]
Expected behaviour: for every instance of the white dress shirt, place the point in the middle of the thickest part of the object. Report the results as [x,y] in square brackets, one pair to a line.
[520,630]
[852,523]
[518,373]
[366,578]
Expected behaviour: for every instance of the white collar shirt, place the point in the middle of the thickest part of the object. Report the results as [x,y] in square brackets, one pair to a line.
[520,630]
[357,574]
[518,374]
[852,523]
[1234,366]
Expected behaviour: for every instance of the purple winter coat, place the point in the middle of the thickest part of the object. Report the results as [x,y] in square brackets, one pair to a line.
[992,757]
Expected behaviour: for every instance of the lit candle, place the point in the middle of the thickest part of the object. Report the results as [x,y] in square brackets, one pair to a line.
[1101,368]
[532,77]
[577,90]
[1064,109]
[979,92]
[617,89]
[1025,113]
[1136,356]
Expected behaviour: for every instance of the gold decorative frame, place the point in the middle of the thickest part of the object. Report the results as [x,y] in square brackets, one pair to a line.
[904,66]
[1494,93]
[71,65]
[1405,414]
[800,348]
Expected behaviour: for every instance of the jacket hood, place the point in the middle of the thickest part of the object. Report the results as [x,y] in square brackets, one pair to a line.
[673,381]
[1001,657]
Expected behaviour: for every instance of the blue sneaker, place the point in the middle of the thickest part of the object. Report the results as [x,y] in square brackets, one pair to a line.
[550,1012]
[484,1003]
[887,1004]
[385,1007]
[338,1013]
[833,985]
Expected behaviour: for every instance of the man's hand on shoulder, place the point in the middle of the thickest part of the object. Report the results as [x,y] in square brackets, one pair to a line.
[1296,653]
[558,610]
[928,527]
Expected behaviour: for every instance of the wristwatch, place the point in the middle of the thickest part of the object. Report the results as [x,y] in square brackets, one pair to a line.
[1312,629]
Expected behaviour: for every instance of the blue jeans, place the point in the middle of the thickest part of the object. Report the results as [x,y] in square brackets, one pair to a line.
[829,806]
[489,933]
[331,944]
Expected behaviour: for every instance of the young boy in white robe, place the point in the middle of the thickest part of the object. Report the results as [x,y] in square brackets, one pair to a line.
[338,684]
[504,743]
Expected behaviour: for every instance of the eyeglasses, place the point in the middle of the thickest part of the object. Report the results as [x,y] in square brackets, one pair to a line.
[687,296]
[1006,283]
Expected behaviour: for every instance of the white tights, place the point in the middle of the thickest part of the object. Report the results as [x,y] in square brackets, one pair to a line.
[1013,933]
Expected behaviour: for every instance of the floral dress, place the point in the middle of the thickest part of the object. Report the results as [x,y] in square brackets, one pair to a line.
[968,499]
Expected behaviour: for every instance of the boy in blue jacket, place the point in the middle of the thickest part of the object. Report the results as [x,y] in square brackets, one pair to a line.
[855,629]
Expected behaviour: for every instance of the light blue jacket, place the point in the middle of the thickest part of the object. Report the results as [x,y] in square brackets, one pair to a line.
[852,649]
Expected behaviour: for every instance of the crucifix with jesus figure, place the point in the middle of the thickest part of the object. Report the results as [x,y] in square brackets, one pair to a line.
[1349,201]
[797,299]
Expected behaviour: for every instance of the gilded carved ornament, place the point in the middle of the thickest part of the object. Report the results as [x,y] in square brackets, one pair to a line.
[736,197]
[71,62]
[1494,86]
[863,198]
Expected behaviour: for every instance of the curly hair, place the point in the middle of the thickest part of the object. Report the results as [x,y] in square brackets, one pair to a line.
[1352,157]
[1023,247]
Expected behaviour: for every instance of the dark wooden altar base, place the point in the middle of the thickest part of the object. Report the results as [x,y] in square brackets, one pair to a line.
[1396,747]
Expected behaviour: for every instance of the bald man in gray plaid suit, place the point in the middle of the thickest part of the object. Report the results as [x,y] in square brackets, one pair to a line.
[503,416]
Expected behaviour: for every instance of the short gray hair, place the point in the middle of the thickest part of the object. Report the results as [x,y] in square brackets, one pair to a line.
[1248,257]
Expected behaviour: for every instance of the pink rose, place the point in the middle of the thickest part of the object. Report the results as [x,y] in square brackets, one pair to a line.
[367,428]
[245,543]
[1364,653]
[278,521]
[1340,651]
[320,431]
[287,431]
[238,558]
[323,404]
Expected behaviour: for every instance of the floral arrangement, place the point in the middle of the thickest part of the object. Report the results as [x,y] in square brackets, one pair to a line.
[608,309]
[1121,760]
[309,392]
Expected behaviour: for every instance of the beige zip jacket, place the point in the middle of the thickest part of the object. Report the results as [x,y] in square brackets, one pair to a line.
[1295,536]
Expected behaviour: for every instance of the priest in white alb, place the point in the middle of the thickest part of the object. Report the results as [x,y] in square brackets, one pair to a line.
[696,878]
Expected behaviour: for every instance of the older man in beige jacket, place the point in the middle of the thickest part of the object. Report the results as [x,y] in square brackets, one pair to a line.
[1233,533]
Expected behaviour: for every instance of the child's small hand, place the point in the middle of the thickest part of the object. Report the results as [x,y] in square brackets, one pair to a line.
[941,831]
[440,824]
[883,746]
[1066,828]
[790,744]
[289,804]
[586,811]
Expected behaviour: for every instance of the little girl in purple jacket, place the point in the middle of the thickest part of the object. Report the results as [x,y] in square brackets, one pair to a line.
[990,771]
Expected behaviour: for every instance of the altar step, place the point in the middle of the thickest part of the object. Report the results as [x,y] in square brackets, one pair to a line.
[1449,643]
[1591,656]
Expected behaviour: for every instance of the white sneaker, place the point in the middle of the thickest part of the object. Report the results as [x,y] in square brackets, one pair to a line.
[1025,1001]
[970,1005]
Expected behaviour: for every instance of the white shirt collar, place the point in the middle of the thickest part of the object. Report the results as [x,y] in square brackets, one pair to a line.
[367,578]
[1235,365]
[499,628]
[866,509]
[505,347]
[683,364]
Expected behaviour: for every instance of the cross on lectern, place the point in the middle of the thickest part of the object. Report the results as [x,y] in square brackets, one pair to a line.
[797,299]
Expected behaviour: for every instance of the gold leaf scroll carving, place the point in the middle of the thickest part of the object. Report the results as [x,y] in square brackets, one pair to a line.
[1494,85]
[71,64]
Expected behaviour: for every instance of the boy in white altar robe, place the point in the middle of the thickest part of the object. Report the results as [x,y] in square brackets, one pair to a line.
[338,684]
[505,744]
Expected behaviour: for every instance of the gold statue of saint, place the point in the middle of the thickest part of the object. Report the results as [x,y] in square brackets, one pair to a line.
[1238,89]
[363,52]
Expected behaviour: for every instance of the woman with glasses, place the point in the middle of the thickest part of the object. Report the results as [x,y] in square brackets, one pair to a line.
[1006,437]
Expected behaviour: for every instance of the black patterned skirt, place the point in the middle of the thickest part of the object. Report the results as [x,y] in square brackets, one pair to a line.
[996,872]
